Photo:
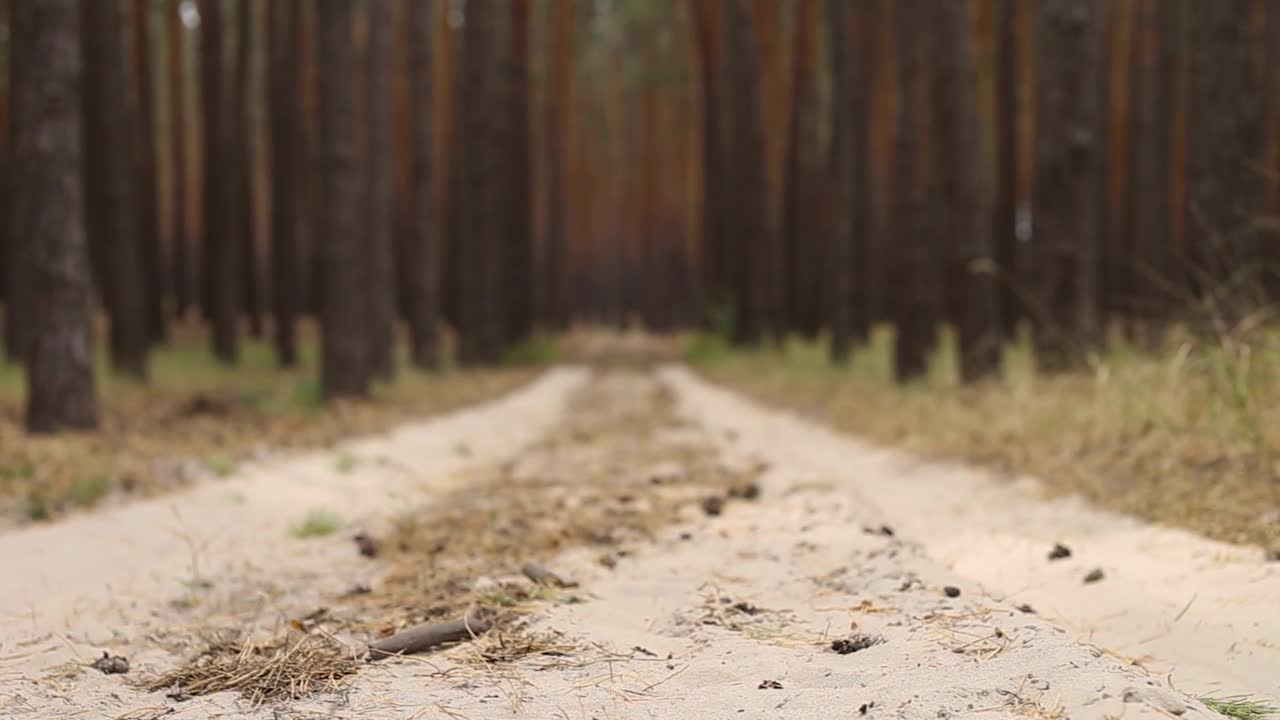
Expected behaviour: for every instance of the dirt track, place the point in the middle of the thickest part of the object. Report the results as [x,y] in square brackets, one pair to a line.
[679,613]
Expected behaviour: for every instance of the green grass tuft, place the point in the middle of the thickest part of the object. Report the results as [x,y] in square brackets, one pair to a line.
[537,351]
[317,523]
[345,462]
[1241,707]
[36,506]
[87,491]
[220,465]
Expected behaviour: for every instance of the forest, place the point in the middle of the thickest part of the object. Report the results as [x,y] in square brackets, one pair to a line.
[578,344]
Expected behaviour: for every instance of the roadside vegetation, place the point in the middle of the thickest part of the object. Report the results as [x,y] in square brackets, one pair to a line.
[198,418]
[1187,436]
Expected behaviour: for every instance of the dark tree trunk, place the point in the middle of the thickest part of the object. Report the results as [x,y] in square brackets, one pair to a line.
[148,200]
[751,223]
[424,274]
[919,215]
[111,193]
[1060,264]
[1154,271]
[967,187]
[214,166]
[381,207]
[481,142]
[224,194]
[519,258]
[11,277]
[47,214]
[558,105]
[1228,116]
[1004,224]
[345,362]
[246,254]
[718,260]
[804,233]
[837,263]
[180,243]
[283,26]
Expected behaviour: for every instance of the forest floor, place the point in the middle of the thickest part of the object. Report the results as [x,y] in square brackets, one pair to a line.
[197,419]
[708,558]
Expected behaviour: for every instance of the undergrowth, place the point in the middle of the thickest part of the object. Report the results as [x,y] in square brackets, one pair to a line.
[1187,436]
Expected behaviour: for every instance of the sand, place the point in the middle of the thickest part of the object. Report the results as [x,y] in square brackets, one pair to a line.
[728,616]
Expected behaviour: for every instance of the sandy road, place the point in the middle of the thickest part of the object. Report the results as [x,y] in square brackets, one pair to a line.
[729,615]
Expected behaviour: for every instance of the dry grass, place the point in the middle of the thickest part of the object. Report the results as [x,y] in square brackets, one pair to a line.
[1188,437]
[611,476]
[196,418]
[283,669]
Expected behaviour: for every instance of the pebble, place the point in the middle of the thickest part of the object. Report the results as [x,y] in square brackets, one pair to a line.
[1157,698]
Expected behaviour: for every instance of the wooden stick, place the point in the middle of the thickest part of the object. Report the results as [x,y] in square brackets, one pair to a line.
[542,576]
[427,636]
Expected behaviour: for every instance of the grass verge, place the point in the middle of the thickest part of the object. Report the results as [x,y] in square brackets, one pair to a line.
[1188,437]
[197,418]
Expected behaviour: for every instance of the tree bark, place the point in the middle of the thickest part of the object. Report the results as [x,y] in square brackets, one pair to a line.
[718,260]
[804,234]
[520,271]
[111,192]
[1154,271]
[46,224]
[837,262]
[1227,132]
[381,207]
[1060,264]
[145,157]
[751,222]
[559,104]
[345,362]
[481,135]
[966,180]
[179,241]
[244,248]
[424,275]
[282,32]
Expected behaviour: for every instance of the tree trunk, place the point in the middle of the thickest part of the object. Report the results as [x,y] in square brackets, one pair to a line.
[804,233]
[245,247]
[1154,271]
[46,223]
[966,176]
[751,221]
[519,275]
[344,361]
[148,200]
[213,165]
[180,243]
[381,262]
[424,275]
[11,277]
[919,220]
[111,194]
[481,136]
[282,32]
[838,261]
[1227,132]
[1061,261]
[559,104]
[718,258]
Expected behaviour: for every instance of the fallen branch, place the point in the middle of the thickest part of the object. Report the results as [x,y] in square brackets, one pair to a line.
[426,636]
[542,576]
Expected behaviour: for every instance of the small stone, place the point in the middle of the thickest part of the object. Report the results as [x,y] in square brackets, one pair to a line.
[745,491]
[110,664]
[854,643]
[609,561]
[367,546]
[1026,608]
[1094,575]
[1059,552]
[951,591]
[1272,555]
[770,685]
[713,505]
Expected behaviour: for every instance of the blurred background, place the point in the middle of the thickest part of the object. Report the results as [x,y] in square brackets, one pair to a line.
[250,207]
